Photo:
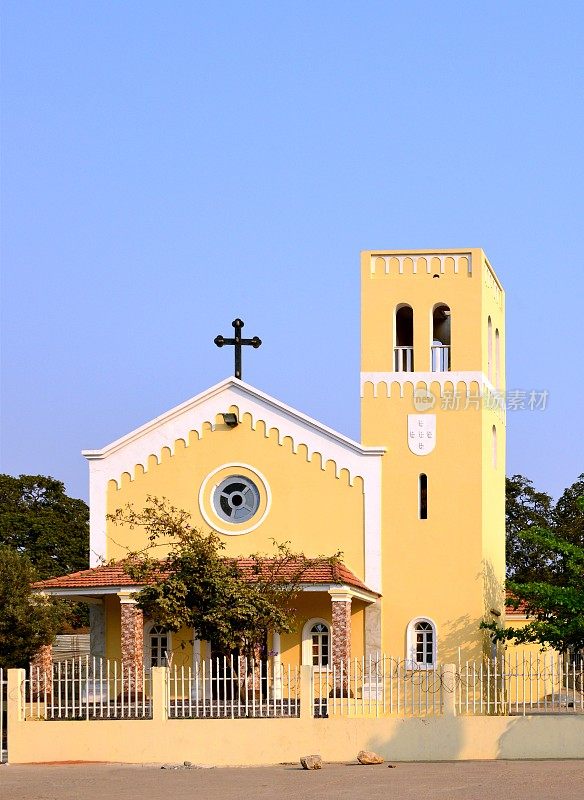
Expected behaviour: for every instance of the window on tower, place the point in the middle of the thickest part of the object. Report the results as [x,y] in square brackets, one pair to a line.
[494,445]
[489,349]
[404,339]
[441,359]
[497,360]
[423,496]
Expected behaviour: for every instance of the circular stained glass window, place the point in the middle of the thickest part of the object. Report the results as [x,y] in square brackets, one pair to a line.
[236,499]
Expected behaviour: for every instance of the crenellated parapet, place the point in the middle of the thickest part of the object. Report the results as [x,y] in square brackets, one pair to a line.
[453,390]
[393,263]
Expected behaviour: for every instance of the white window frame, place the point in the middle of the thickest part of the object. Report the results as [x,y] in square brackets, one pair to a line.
[148,644]
[307,642]
[411,644]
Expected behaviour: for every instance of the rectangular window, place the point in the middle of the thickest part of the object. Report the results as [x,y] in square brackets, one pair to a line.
[423,496]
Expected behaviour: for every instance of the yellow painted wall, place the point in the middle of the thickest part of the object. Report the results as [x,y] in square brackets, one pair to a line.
[493,455]
[113,639]
[381,292]
[311,508]
[449,567]
[248,742]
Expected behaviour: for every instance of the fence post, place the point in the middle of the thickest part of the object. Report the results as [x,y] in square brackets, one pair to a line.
[159,689]
[449,690]
[14,706]
[306,694]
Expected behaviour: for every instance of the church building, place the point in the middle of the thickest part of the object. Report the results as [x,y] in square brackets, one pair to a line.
[416,506]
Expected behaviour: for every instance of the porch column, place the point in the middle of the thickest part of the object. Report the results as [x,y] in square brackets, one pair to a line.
[42,671]
[97,630]
[341,619]
[132,635]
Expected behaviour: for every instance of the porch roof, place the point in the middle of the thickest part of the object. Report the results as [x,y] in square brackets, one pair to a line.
[322,574]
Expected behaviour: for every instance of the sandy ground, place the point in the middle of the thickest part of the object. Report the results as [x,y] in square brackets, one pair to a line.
[490,780]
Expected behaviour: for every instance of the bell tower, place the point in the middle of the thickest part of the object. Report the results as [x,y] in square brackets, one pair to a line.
[432,383]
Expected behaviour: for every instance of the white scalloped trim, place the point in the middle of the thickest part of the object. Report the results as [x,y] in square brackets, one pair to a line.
[136,447]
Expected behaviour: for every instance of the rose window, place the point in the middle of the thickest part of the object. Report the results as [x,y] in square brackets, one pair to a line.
[236,499]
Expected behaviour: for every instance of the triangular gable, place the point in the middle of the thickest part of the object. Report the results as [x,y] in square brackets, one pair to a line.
[136,447]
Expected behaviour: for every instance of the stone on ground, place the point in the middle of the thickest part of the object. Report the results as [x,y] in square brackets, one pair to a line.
[311,762]
[369,757]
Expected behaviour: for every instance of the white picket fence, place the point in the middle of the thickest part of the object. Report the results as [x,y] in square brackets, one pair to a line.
[87,688]
[377,686]
[521,684]
[236,687]
[233,687]
[381,685]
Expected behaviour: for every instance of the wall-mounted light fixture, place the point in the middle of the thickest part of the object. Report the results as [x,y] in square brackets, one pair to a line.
[230,420]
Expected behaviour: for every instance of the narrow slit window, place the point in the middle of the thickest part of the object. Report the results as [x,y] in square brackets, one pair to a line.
[494,445]
[497,359]
[423,496]
[489,349]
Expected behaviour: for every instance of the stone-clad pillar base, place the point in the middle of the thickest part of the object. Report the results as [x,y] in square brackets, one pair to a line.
[132,635]
[41,677]
[341,646]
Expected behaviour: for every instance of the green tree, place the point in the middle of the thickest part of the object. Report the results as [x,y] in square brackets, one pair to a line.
[27,621]
[567,517]
[37,518]
[555,602]
[525,508]
[197,587]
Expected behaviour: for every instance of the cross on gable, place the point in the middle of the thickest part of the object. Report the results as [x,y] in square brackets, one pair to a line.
[237,342]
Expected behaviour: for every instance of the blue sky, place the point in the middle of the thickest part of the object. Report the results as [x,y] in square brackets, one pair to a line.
[169,166]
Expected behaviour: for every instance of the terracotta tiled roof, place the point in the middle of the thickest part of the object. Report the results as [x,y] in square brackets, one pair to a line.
[320,572]
[98,577]
[510,611]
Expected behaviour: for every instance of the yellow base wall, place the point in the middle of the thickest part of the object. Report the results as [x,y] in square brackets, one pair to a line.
[253,741]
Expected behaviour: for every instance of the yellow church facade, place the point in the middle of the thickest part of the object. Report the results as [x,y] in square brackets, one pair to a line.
[416,507]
